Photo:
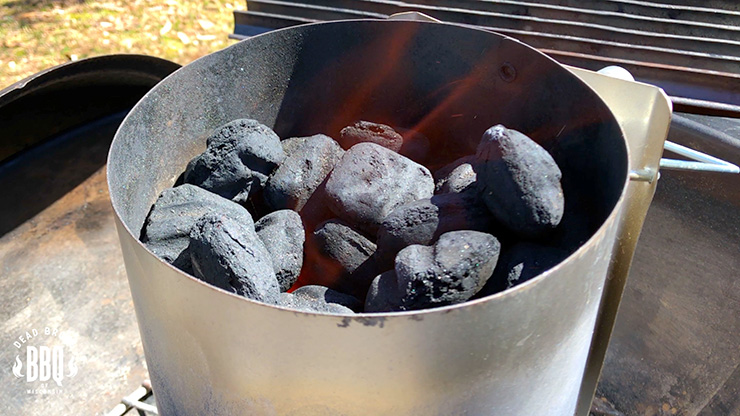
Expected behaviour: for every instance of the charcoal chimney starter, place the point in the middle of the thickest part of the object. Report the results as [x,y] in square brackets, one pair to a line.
[523,351]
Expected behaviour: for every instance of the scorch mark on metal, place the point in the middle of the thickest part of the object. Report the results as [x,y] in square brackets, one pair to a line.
[367,321]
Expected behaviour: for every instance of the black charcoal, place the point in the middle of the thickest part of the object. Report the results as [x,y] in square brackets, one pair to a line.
[282,234]
[383,295]
[519,263]
[228,254]
[309,161]
[325,294]
[367,132]
[166,231]
[519,181]
[310,304]
[423,221]
[344,259]
[370,181]
[450,272]
[457,177]
[238,159]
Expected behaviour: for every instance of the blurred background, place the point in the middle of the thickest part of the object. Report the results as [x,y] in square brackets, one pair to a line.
[38,34]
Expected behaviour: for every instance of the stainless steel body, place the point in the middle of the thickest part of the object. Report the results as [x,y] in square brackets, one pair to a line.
[519,352]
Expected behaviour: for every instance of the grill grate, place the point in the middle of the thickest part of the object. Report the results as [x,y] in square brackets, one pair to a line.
[691,52]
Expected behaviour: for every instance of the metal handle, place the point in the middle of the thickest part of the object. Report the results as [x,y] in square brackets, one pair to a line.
[699,161]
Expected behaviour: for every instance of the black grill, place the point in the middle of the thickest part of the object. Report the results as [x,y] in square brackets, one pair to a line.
[692,52]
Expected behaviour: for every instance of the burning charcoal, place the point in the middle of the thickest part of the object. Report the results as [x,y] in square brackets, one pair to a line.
[520,181]
[451,271]
[228,254]
[415,146]
[166,231]
[371,181]
[311,304]
[282,234]
[423,221]
[309,162]
[238,159]
[520,263]
[383,295]
[367,132]
[324,294]
[345,258]
[457,177]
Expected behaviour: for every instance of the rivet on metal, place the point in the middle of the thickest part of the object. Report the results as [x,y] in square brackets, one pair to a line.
[643,175]
[507,72]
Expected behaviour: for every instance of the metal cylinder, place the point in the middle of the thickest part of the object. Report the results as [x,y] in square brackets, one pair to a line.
[519,352]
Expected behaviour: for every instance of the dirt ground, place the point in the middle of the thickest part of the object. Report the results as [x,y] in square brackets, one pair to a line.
[38,34]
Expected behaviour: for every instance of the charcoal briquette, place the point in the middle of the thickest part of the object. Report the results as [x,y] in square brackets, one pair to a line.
[310,304]
[344,259]
[368,132]
[282,234]
[519,263]
[457,177]
[229,254]
[370,181]
[383,295]
[423,221]
[519,181]
[302,171]
[166,230]
[238,159]
[328,295]
[450,272]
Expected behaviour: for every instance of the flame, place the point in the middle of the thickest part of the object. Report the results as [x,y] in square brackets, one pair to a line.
[72,367]
[17,367]
[317,268]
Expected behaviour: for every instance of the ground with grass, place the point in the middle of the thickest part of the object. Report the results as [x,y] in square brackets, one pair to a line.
[38,34]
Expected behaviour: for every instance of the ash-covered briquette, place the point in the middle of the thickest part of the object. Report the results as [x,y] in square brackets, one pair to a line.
[310,304]
[309,160]
[457,177]
[367,132]
[328,295]
[519,181]
[423,221]
[519,263]
[282,234]
[228,254]
[383,295]
[238,159]
[370,181]
[166,230]
[450,272]
[344,259]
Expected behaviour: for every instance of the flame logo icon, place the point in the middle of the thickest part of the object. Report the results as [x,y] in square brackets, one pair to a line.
[17,367]
[72,367]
